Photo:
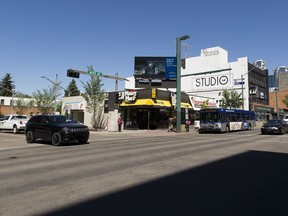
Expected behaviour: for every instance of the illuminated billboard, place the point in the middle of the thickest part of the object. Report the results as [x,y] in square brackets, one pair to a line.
[163,68]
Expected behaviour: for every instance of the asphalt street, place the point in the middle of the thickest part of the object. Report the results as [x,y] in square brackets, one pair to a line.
[146,173]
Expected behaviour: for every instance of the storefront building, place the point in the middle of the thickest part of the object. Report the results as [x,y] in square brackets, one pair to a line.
[207,75]
[147,108]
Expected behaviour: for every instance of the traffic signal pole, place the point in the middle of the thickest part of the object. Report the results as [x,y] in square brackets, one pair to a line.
[76,74]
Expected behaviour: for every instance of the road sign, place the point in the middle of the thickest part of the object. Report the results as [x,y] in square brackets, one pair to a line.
[94,73]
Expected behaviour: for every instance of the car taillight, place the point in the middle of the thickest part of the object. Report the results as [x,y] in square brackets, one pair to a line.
[21,122]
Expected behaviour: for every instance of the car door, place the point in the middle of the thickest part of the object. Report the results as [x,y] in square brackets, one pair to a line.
[46,128]
[7,122]
[35,124]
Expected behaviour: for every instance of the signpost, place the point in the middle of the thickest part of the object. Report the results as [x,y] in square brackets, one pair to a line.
[91,72]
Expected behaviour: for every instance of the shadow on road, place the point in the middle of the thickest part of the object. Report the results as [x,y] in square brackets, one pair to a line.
[252,183]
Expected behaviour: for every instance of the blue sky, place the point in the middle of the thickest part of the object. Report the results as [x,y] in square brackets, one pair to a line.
[46,37]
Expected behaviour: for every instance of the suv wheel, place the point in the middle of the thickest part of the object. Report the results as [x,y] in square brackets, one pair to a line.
[56,139]
[15,129]
[30,137]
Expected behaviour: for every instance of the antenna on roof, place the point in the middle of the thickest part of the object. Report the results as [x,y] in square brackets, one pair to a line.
[186,45]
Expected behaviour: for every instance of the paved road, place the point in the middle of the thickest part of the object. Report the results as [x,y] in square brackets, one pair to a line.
[146,173]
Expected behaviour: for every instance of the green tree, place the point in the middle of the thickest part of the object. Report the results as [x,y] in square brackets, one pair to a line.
[204,105]
[72,89]
[21,105]
[95,96]
[44,100]
[22,95]
[231,99]
[285,100]
[6,85]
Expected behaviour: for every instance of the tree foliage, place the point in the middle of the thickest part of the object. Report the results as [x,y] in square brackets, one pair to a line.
[72,89]
[204,105]
[231,99]
[95,96]
[44,100]
[285,100]
[21,105]
[6,85]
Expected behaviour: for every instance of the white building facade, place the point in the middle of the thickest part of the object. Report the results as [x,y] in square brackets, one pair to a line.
[210,73]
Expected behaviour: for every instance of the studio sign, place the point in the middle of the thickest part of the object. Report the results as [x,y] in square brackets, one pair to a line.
[211,81]
[210,53]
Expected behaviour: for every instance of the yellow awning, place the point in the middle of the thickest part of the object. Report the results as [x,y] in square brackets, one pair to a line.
[147,102]
[162,103]
[139,102]
[186,105]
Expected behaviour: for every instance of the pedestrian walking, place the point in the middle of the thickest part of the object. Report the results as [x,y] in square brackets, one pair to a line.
[170,123]
[187,125]
[120,122]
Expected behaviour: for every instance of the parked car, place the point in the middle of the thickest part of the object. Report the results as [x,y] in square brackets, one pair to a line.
[285,118]
[14,122]
[274,126]
[58,129]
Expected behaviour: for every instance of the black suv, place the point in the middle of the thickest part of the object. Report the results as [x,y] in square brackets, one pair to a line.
[56,128]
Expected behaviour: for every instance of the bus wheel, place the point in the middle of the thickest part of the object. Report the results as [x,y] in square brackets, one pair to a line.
[227,129]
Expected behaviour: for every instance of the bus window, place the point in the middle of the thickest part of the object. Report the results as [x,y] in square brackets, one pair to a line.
[233,117]
[238,117]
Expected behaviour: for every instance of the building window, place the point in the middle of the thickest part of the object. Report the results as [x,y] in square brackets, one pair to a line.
[2,101]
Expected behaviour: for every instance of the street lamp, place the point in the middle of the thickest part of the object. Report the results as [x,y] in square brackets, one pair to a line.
[178,80]
[276,90]
[56,84]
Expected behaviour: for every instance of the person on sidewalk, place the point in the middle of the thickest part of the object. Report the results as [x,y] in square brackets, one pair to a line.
[187,125]
[120,122]
[170,123]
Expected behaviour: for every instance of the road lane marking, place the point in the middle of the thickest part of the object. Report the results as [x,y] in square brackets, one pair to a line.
[16,147]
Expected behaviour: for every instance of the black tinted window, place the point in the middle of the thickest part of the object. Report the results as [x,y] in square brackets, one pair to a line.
[36,119]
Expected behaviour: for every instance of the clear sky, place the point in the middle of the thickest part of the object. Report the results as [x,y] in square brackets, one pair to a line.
[47,37]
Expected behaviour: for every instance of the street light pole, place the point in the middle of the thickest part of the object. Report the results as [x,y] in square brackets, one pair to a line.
[242,91]
[178,81]
[56,84]
[276,92]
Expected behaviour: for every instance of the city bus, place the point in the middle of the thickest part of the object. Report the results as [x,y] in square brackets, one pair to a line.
[226,120]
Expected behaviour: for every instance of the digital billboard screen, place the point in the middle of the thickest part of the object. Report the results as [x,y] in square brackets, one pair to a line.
[155,68]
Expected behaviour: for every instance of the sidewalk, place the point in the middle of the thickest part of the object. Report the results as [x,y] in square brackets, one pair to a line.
[158,132]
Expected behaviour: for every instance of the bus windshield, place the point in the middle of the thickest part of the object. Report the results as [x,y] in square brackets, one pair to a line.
[210,117]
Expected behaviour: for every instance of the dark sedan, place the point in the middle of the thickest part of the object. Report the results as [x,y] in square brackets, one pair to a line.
[274,126]
[58,129]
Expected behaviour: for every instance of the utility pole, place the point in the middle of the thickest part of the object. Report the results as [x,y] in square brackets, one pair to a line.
[178,81]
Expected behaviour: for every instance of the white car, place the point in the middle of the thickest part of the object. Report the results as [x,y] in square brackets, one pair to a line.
[285,118]
[13,122]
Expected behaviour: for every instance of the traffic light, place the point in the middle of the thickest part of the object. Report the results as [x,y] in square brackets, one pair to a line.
[72,73]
